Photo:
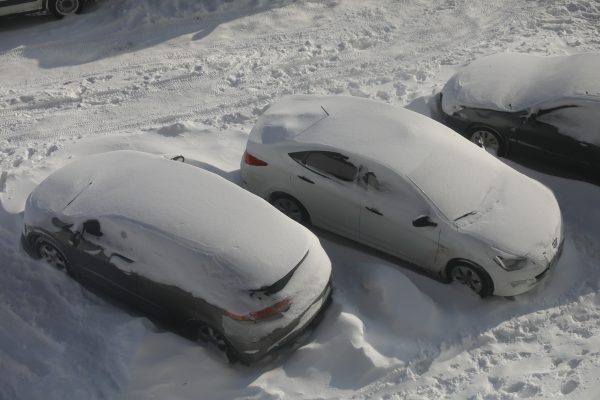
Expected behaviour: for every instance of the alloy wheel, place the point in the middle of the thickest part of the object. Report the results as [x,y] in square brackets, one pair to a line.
[67,7]
[467,276]
[53,256]
[486,140]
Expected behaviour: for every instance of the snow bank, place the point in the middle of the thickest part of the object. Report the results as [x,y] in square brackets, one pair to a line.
[514,82]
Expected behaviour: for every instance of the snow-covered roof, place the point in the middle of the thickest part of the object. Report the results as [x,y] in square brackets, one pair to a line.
[514,82]
[230,237]
[434,157]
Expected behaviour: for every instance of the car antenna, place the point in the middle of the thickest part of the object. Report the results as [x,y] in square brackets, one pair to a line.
[323,108]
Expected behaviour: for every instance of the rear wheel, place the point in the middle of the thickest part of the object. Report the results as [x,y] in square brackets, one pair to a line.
[290,207]
[489,140]
[52,255]
[207,334]
[472,276]
[62,8]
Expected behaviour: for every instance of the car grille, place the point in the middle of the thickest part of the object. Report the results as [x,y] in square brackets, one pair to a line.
[553,261]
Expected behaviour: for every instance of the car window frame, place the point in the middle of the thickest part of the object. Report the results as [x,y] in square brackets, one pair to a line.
[302,160]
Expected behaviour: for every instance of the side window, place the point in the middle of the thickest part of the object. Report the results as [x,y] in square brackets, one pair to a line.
[329,163]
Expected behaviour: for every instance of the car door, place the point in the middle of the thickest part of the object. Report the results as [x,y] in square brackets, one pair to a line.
[580,128]
[389,207]
[8,7]
[554,130]
[325,183]
[101,264]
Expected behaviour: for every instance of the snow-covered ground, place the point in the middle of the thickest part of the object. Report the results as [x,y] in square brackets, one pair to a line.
[190,77]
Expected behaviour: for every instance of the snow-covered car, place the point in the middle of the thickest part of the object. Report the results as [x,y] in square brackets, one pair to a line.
[550,104]
[59,8]
[182,244]
[400,182]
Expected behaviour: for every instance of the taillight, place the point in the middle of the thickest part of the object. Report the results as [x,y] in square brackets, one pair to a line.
[251,160]
[270,312]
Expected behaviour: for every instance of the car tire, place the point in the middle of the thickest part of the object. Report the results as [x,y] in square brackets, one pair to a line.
[207,334]
[62,8]
[51,254]
[290,207]
[489,140]
[471,275]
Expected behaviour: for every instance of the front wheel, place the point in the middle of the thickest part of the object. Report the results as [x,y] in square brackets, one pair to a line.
[472,276]
[62,8]
[53,256]
[488,140]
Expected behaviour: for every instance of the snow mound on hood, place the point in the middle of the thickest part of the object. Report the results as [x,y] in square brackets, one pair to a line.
[514,82]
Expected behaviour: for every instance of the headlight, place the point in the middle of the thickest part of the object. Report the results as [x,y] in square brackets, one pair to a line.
[512,263]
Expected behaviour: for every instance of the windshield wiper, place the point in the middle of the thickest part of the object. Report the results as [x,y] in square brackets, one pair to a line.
[466,215]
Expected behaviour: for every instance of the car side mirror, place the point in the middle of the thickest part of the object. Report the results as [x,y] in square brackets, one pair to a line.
[371,180]
[423,221]
[92,227]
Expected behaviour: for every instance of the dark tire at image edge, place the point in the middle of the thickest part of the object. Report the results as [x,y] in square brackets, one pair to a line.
[472,276]
[62,8]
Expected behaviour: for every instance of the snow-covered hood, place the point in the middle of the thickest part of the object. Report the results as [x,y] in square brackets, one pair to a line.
[520,216]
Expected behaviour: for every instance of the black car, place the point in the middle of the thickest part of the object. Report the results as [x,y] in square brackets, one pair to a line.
[504,109]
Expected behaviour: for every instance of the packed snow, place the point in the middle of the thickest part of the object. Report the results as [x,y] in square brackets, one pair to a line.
[191,77]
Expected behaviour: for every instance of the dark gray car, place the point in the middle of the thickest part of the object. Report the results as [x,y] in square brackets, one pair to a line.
[181,244]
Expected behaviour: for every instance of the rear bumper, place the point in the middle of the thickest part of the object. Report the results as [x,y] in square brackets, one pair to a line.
[280,337]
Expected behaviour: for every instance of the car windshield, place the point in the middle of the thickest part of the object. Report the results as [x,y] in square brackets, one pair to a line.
[457,184]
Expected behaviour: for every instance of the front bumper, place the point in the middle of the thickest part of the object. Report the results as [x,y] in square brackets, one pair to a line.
[519,282]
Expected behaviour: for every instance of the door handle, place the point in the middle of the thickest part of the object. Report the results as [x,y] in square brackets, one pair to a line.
[305,179]
[122,257]
[374,210]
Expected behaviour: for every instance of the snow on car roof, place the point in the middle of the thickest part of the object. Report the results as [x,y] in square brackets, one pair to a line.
[388,134]
[514,82]
[434,157]
[240,240]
